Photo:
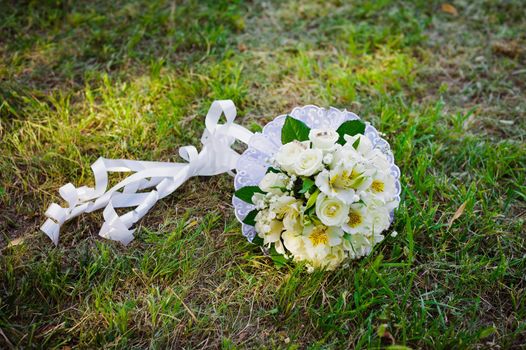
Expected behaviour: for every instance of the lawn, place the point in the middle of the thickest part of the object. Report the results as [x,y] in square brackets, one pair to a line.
[133,79]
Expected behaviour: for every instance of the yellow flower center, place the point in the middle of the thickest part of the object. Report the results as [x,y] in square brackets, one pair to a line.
[355,218]
[354,175]
[331,210]
[378,186]
[319,236]
[345,179]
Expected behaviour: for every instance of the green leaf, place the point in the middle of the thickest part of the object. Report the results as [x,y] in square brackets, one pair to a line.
[294,129]
[250,219]
[356,143]
[398,347]
[273,170]
[486,332]
[255,127]
[257,240]
[279,260]
[314,219]
[312,199]
[350,127]
[246,193]
[307,184]
[274,311]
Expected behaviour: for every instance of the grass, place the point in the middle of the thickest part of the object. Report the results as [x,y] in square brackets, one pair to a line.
[133,79]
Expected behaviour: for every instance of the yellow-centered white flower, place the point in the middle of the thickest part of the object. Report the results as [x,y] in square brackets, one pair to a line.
[288,209]
[382,186]
[318,236]
[323,139]
[331,211]
[344,181]
[319,241]
[358,220]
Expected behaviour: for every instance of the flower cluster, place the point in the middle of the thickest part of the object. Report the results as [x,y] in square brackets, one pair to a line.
[328,195]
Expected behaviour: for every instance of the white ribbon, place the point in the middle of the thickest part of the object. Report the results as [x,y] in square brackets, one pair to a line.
[216,157]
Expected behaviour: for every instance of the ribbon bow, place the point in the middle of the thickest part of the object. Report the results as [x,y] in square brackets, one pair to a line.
[216,157]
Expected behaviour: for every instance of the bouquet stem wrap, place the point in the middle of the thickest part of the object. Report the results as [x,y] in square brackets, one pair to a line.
[163,178]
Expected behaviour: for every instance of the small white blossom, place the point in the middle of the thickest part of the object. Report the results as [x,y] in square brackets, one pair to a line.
[259,200]
[290,184]
[327,159]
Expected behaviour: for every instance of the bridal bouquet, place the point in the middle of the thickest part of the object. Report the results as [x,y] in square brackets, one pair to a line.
[318,185]
[328,194]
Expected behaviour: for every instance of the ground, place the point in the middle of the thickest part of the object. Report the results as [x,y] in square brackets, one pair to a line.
[133,79]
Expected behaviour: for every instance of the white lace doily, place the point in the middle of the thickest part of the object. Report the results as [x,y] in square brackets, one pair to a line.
[253,163]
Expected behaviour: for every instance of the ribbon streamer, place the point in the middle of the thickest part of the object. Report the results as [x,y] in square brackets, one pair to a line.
[216,157]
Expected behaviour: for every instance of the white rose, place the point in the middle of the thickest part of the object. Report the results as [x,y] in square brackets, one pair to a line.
[289,153]
[323,139]
[273,182]
[331,211]
[309,162]
[319,241]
